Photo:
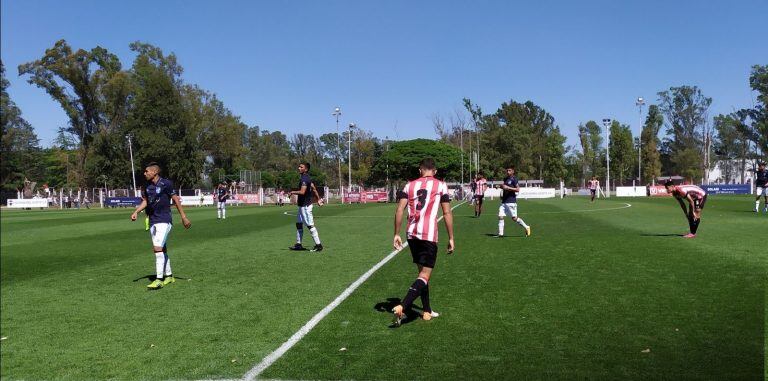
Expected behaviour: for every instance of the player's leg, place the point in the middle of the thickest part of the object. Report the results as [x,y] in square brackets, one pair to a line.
[299,229]
[502,213]
[757,199]
[480,206]
[477,206]
[309,220]
[218,210]
[159,233]
[513,209]
[224,210]
[168,276]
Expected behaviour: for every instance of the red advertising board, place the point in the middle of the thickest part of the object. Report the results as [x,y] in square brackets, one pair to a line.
[365,197]
[248,198]
[657,190]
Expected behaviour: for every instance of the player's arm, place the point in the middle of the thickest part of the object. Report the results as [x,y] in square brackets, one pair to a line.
[317,195]
[142,206]
[445,203]
[402,201]
[184,220]
[301,191]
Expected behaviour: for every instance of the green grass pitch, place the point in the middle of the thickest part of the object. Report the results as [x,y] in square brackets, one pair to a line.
[599,291]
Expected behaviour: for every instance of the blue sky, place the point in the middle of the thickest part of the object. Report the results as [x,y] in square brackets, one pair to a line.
[284,65]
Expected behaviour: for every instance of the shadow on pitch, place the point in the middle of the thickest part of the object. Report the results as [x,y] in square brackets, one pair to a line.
[493,235]
[152,277]
[662,235]
[386,307]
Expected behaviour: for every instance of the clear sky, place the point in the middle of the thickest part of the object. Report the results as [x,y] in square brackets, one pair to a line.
[284,65]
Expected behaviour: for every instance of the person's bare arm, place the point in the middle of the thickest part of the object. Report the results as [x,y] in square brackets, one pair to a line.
[317,195]
[184,219]
[301,191]
[448,217]
[142,206]
[397,242]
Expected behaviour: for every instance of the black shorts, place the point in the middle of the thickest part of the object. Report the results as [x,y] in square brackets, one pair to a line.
[593,191]
[699,202]
[479,198]
[424,253]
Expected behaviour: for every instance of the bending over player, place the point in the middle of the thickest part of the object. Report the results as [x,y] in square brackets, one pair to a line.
[696,198]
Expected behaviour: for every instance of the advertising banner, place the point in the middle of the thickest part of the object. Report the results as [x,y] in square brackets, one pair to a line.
[196,200]
[247,198]
[27,203]
[728,189]
[122,201]
[657,191]
[631,191]
[375,197]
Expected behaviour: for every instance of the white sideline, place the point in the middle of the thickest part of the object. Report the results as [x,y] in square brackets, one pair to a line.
[304,330]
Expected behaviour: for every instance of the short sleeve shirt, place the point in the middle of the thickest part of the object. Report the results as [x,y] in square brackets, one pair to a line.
[306,198]
[508,196]
[158,198]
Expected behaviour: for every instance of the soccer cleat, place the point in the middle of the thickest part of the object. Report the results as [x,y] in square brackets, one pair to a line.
[318,247]
[689,235]
[398,315]
[297,247]
[528,231]
[499,236]
[155,285]
[168,280]
[427,316]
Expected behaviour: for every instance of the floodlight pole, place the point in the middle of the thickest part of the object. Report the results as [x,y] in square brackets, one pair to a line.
[639,103]
[607,124]
[349,156]
[337,114]
[133,170]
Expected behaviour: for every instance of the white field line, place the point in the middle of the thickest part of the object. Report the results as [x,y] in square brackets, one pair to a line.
[304,330]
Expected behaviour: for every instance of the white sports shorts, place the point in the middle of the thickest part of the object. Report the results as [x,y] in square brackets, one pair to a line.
[222,205]
[762,191]
[159,233]
[509,209]
[305,216]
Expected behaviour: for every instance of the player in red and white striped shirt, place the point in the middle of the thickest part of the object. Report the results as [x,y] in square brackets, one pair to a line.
[696,198]
[423,197]
[481,187]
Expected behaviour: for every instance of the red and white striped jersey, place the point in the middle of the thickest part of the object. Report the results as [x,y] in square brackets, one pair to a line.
[424,197]
[685,190]
[482,185]
[593,184]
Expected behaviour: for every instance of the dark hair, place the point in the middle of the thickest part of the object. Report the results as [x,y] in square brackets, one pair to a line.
[153,164]
[306,164]
[668,183]
[510,166]
[427,163]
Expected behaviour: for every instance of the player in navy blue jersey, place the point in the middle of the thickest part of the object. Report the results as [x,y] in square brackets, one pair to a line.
[761,186]
[508,207]
[156,199]
[304,201]
[222,195]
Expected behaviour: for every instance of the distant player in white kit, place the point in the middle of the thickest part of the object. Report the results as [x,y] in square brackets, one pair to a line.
[761,183]
[593,185]
[508,206]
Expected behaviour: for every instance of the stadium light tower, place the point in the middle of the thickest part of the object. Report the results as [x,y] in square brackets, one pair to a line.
[639,103]
[349,156]
[607,124]
[133,170]
[337,114]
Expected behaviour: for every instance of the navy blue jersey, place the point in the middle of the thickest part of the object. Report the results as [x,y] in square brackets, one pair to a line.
[158,198]
[509,196]
[762,178]
[222,194]
[306,198]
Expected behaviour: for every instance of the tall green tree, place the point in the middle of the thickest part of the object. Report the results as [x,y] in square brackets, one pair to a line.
[623,154]
[403,159]
[20,148]
[649,141]
[686,111]
[77,80]
[731,145]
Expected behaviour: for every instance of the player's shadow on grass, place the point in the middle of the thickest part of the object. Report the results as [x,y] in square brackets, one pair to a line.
[504,236]
[152,277]
[386,307]
[661,235]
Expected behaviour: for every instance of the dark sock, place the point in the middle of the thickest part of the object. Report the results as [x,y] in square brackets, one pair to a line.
[425,298]
[695,226]
[413,292]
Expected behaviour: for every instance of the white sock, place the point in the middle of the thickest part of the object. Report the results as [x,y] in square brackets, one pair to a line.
[757,205]
[315,235]
[299,235]
[223,213]
[501,227]
[159,264]
[218,213]
[168,271]
[522,223]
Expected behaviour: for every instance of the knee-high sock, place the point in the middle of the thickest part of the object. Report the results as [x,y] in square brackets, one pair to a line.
[299,232]
[757,205]
[695,225]
[168,271]
[425,298]
[413,292]
[218,213]
[224,213]
[315,235]
[521,223]
[501,227]
[159,264]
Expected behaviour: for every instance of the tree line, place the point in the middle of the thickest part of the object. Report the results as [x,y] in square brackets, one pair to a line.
[198,140]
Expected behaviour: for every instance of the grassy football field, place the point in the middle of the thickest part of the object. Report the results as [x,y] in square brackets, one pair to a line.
[599,291]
